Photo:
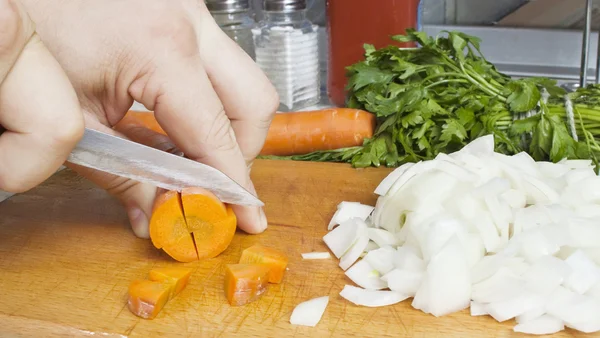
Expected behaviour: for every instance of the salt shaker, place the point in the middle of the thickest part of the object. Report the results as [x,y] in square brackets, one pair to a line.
[286,46]
[234,18]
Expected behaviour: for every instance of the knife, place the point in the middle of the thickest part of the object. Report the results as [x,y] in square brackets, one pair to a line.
[121,157]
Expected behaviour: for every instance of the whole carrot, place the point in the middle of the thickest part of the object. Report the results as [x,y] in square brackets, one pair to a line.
[296,133]
[304,132]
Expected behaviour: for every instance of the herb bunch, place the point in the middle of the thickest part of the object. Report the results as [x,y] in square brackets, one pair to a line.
[444,94]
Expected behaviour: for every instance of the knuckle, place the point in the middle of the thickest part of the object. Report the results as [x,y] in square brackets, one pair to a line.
[219,136]
[68,132]
[16,28]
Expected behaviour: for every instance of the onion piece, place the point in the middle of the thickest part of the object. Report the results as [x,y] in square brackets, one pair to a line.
[407,258]
[371,298]
[383,237]
[392,177]
[365,276]
[511,307]
[309,313]
[504,284]
[381,259]
[404,281]
[356,250]
[477,309]
[447,283]
[316,255]
[545,324]
[584,273]
[347,210]
[340,239]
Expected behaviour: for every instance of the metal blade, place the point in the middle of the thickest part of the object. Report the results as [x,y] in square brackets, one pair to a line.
[129,159]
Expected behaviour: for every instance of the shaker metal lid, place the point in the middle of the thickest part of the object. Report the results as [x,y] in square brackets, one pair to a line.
[283,5]
[227,5]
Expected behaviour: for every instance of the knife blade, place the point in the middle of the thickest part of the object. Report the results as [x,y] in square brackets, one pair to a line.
[121,157]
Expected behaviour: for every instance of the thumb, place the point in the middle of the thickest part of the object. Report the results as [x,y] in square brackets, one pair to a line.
[136,197]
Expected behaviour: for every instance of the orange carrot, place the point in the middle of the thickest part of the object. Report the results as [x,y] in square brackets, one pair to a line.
[298,132]
[147,298]
[176,277]
[140,118]
[304,132]
[192,225]
[168,228]
[276,261]
[245,283]
[212,224]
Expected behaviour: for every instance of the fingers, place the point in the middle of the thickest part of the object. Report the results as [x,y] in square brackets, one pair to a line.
[249,98]
[137,198]
[43,122]
[188,109]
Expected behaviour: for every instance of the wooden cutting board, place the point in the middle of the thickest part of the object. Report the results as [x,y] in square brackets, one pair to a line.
[67,256]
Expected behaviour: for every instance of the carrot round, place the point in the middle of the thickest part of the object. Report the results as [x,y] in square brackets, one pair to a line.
[212,224]
[245,283]
[296,133]
[192,225]
[147,298]
[276,260]
[304,132]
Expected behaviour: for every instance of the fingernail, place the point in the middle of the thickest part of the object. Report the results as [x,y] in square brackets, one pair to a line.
[139,222]
[262,217]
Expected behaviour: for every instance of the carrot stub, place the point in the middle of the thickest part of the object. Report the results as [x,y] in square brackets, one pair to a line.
[147,298]
[276,260]
[245,283]
[296,133]
[192,225]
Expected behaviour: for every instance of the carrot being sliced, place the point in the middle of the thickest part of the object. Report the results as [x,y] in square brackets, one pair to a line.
[147,298]
[245,283]
[276,260]
[297,133]
[176,277]
[192,225]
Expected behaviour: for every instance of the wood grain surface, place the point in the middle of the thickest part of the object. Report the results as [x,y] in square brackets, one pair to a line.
[67,256]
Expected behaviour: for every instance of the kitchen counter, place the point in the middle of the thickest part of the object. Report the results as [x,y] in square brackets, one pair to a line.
[67,256]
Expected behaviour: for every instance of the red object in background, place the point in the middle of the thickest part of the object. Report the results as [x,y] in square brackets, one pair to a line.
[352,23]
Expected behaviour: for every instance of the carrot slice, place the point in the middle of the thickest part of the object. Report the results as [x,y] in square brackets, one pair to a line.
[245,283]
[176,277]
[147,298]
[276,260]
[297,133]
[210,221]
[191,226]
[168,228]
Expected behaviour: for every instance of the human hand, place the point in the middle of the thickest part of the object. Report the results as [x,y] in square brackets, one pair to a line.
[38,106]
[210,97]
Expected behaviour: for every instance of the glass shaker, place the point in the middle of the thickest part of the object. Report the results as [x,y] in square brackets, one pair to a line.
[234,18]
[286,46]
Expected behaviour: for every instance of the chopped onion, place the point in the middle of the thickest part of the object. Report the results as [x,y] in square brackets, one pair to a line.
[387,182]
[545,324]
[309,313]
[356,250]
[477,309]
[584,274]
[382,259]
[404,281]
[371,298]
[383,237]
[340,239]
[507,236]
[316,255]
[348,210]
[365,276]
[447,285]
